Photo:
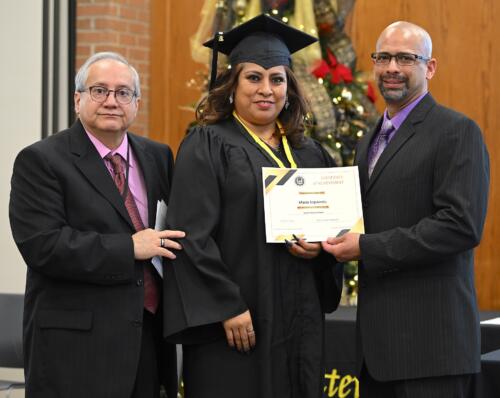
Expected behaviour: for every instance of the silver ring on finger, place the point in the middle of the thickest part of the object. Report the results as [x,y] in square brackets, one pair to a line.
[162,242]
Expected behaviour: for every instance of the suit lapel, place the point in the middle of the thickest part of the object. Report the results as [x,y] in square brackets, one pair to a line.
[361,158]
[89,162]
[405,131]
[151,177]
[403,134]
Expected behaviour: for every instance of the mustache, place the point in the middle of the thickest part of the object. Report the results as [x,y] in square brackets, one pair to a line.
[394,76]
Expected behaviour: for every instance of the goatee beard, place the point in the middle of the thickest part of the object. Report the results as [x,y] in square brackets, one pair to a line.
[393,95]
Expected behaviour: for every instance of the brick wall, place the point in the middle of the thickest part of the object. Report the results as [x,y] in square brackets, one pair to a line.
[122,26]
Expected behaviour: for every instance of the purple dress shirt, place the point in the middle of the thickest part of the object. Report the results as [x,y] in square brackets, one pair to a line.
[398,119]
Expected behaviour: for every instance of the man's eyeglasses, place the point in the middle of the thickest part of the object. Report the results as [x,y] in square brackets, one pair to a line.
[402,59]
[123,95]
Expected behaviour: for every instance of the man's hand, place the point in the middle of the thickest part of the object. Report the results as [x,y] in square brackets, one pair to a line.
[344,248]
[148,243]
[300,248]
[239,332]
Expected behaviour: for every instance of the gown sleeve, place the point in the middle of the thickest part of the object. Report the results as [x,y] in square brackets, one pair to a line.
[199,292]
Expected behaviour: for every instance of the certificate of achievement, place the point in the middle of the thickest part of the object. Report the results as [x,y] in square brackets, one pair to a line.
[313,204]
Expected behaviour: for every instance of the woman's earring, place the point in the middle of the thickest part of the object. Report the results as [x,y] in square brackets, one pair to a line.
[287,104]
[231,98]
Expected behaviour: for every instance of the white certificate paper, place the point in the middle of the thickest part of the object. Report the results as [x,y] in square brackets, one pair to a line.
[161,217]
[311,203]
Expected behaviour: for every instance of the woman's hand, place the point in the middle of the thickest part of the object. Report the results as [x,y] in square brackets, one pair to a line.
[239,332]
[300,248]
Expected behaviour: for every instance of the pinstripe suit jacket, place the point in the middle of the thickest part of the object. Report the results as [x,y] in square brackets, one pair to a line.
[424,209]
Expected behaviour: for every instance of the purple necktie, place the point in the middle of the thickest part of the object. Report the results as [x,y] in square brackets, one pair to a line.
[151,291]
[378,146]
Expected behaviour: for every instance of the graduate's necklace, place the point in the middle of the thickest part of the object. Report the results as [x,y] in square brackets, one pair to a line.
[265,147]
[270,143]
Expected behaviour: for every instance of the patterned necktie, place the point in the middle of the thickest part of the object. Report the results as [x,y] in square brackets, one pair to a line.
[379,145]
[151,290]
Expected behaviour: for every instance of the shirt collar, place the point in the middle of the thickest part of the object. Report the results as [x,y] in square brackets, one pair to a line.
[398,119]
[104,150]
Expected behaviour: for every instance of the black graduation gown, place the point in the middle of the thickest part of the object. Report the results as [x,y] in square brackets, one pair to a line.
[226,267]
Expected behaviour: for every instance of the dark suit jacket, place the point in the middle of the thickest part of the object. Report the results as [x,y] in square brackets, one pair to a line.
[84,296]
[424,210]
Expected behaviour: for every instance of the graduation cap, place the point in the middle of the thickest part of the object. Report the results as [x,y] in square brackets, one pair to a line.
[262,40]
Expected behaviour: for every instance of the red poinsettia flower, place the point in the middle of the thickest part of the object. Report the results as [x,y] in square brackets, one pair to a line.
[332,60]
[275,4]
[325,28]
[341,73]
[370,92]
[321,69]
[338,72]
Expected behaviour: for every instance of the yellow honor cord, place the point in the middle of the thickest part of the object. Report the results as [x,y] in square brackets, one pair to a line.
[266,148]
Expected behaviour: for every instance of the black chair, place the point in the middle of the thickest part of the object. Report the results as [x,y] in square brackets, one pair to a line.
[11,331]
[487,382]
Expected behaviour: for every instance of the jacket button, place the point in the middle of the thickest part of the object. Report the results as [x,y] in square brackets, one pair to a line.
[139,282]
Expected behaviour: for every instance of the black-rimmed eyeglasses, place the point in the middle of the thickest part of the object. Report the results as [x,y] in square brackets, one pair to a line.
[403,59]
[122,95]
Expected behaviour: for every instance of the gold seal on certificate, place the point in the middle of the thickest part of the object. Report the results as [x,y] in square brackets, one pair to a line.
[311,203]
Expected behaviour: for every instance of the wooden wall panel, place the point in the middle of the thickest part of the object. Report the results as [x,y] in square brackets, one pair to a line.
[172,24]
[467,79]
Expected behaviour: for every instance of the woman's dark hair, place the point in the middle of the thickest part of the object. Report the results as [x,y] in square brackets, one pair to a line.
[216,106]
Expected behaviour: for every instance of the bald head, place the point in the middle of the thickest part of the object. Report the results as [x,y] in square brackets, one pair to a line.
[403,73]
[408,32]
